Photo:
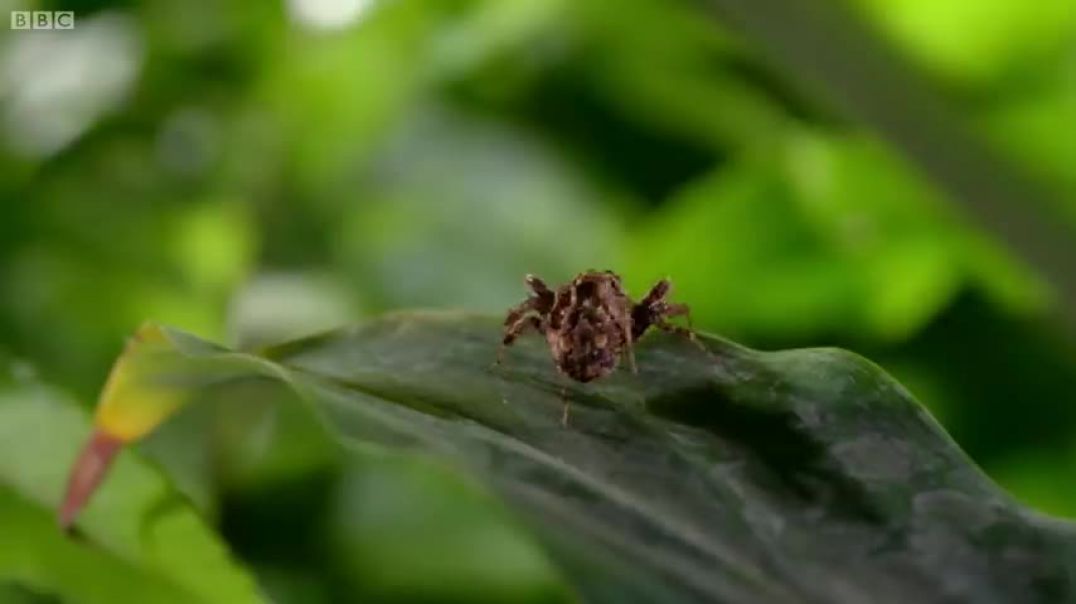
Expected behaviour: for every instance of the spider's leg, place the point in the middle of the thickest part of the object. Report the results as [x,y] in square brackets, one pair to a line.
[529,313]
[519,327]
[649,311]
[540,289]
[682,331]
[681,310]
[520,323]
[566,408]
[518,311]
[657,293]
[629,347]
[630,353]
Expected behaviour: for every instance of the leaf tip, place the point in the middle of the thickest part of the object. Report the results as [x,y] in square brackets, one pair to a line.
[86,474]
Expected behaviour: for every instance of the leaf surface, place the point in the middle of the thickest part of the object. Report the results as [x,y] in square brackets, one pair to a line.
[723,476]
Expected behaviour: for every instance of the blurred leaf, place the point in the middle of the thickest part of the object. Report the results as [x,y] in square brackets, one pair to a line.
[1027,129]
[676,76]
[139,541]
[449,193]
[737,246]
[839,239]
[828,47]
[977,41]
[47,103]
[1033,474]
[214,246]
[334,95]
[894,227]
[490,29]
[407,528]
[733,476]
[278,306]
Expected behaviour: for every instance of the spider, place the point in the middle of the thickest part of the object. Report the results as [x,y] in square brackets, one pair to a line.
[590,322]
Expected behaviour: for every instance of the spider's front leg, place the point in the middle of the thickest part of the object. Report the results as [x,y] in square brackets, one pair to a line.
[526,315]
[566,406]
[655,311]
[515,330]
[629,348]
[649,310]
[678,310]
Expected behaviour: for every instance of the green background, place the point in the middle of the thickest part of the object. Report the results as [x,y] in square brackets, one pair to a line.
[252,171]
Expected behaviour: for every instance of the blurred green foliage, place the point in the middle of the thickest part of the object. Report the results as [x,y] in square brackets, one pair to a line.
[252,171]
[148,545]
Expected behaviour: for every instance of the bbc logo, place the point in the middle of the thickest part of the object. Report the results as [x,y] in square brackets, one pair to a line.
[42,19]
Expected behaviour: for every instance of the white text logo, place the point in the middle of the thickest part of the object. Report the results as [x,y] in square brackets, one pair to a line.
[42,19]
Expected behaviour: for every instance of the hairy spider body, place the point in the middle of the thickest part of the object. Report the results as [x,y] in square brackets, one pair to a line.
[590,322]
[590,326]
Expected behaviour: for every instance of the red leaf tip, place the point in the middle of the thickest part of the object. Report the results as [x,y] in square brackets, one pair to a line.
[90,467]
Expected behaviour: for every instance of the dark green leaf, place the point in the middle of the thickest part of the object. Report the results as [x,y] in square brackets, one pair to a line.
[733,476]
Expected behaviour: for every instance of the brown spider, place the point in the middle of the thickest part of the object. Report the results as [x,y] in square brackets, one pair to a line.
[591,322]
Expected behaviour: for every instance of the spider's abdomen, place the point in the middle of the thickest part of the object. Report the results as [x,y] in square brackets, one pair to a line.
[590,349]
